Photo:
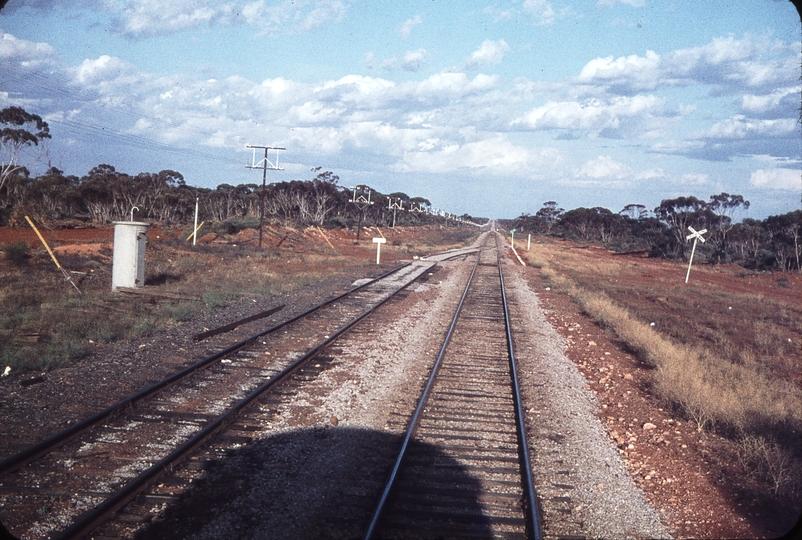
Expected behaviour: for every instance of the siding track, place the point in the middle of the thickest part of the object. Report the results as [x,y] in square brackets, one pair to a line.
[76,480]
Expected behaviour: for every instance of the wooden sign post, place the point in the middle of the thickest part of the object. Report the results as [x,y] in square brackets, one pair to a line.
[696,235]
[379,242]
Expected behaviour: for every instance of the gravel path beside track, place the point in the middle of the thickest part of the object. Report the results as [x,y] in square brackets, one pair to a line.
[583,483]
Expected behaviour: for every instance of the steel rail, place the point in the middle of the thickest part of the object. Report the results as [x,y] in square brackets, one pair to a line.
[532,507]
[93,518]
[50,443]
[419,409]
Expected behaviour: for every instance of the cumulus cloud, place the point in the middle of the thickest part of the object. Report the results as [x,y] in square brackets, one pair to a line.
[142,17]
[496,156]
[728,64]
[632,72]
[631,3]
[292,16]
[23,52]
[777,178]
[594,115]
[103,69]
[409,25]
[732,64]
[322,13]
[370,60]
[776,104]
[413,60]
[694,179]
[489,52]
[609,172]
[741,127]
[155,17]
[604,167]
[541,10]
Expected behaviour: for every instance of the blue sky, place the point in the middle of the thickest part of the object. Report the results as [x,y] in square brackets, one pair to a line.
[484,107]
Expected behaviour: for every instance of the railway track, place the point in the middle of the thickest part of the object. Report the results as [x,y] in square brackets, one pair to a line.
[76,480]
[468,420]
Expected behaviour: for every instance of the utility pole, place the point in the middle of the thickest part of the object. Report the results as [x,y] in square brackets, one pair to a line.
[361,202]
[263,164]
[394,206]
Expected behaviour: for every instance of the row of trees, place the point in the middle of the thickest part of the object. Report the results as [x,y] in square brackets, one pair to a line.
[772,243]
[105,194]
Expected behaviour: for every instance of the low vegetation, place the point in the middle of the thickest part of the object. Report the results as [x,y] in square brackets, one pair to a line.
[45,324]
[728,362]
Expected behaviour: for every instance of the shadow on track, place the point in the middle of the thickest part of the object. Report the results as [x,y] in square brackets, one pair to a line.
[298,485]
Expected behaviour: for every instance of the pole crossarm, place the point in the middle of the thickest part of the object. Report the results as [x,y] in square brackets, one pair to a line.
[265,162]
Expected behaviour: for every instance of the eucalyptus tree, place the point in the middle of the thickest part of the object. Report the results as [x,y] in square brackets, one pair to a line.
[723,207]
[19,140]
[678,214]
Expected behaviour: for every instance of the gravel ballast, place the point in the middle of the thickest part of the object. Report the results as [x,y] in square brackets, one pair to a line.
[583,484]
[304,474]
[302,479]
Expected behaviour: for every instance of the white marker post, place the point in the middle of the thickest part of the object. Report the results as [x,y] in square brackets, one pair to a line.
[696,235]
[195,232]
[379,242]
[528,241]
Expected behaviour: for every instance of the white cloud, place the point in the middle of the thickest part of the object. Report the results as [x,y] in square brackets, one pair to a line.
[409,25]
[324,12]
[632,3]
[370,60]
[634,71]
[489,52]
[727,63]
[732,64]
[498,14]
[778,102]
[496,156]
[103,69]
[413,60]
[448,86]
[592,114]
[651,174]
[26,53]
[153,17]
[741,127]
[781,179]
[694,179]
[604,167]
[541,10]
[157,17]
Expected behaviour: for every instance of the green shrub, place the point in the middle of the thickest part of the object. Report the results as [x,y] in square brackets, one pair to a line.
[17,253]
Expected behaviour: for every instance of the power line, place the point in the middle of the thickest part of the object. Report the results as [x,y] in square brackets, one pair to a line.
[43,81]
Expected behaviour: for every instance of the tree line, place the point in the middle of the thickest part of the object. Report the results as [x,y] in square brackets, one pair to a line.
[105,194]
[769,244]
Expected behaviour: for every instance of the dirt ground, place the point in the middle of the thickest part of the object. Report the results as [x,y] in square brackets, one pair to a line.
[681,470]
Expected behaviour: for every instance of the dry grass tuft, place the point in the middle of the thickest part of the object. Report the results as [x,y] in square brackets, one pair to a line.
[736,391]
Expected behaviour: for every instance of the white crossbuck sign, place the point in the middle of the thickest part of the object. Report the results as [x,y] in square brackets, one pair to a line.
[696,235]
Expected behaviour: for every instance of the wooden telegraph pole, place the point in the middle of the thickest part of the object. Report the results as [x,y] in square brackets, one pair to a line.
[263,164]
[361,202]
